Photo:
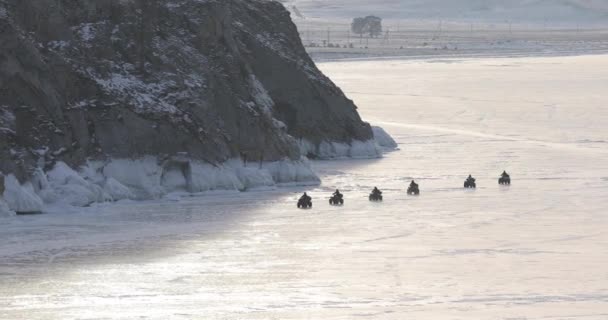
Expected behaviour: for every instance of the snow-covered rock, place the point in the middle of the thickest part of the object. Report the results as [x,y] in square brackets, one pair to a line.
[254,177]
[336,150]
[5,211]
[142,176]
[21,198]
[205,177]
[383,139]
[292,172]
[144,179]
[72,188]
[117,190]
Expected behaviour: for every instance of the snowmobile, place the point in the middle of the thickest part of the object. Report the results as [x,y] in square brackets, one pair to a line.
[336,199]
[413,190]
[470,183]
[504,179]
[375,196]
[305,203]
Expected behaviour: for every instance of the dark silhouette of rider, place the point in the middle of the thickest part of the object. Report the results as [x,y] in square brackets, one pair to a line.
[376,191]
[505,174]
[338,195]
[305,197]
[470,178]
[413,184]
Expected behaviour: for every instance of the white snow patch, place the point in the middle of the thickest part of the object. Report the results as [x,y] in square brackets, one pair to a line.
[7,119]
[260,95]
[20,198]
[147,97]
[86,32]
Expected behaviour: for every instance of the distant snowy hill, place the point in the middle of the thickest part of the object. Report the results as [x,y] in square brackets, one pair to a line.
[522,11]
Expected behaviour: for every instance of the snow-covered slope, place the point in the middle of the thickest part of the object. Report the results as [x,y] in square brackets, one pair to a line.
[524,11]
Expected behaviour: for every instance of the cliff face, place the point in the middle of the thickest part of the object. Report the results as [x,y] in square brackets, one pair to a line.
[213,79]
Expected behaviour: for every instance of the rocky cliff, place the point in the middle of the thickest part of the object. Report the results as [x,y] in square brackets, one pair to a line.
[210,79]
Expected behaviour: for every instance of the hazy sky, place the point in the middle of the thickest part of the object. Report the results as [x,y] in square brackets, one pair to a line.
[527,11]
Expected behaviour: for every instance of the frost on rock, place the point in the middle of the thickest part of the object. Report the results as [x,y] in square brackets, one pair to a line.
[72,188]
[145,178]
[142,176]
[5,211]
[21,199]
[355,149]
[205,177]
[260,95]
[383,139]
[254,177]
[7,120]
[337,150]
[117,190]
[293,172]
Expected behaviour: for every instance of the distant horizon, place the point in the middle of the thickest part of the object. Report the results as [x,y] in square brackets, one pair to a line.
[550,14]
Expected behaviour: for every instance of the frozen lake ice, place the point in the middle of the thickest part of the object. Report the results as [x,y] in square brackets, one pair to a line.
[535,250]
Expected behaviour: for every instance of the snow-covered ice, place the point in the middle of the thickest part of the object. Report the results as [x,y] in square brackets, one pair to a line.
[536,250]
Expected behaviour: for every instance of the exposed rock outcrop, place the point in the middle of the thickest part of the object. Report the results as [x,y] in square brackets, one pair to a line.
[214,79]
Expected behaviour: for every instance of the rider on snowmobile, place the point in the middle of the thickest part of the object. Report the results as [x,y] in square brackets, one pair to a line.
[376,191]
[305,197]
[338,195]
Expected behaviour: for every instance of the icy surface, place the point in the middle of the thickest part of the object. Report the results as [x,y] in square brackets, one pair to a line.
[536,250]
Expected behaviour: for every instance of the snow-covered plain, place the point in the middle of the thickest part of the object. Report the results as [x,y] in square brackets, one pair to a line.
[536,250]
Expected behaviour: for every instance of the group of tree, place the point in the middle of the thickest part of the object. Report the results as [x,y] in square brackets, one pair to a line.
[371,25]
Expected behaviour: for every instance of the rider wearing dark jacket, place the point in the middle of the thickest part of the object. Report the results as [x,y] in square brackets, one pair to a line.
[413,184]
[338,194]
[505,174]
[305,197]
[376,191]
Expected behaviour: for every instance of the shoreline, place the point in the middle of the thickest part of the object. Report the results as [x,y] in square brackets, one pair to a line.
[519,54]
